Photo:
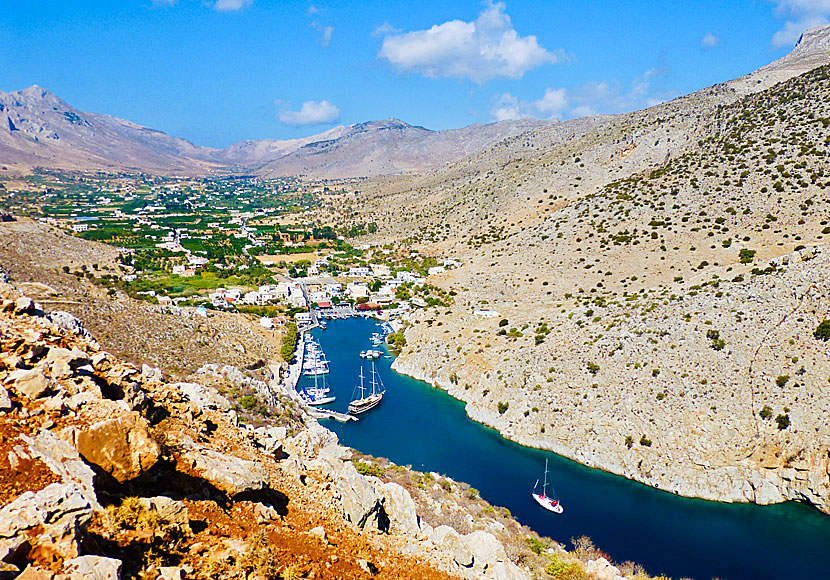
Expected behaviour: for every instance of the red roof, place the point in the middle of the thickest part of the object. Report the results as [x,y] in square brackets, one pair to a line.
[324,304]
[368,306]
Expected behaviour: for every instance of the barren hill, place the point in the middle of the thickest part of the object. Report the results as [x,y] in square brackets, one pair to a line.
[659,277]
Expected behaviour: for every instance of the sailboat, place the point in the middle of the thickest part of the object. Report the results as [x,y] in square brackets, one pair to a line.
[317,395]
[549,503]
[366,402]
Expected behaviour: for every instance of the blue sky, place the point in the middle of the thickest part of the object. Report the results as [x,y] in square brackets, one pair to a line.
[219,71]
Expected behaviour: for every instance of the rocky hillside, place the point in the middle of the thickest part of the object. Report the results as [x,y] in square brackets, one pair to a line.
[70,274]
[38,129]
[109,472]
[658,279]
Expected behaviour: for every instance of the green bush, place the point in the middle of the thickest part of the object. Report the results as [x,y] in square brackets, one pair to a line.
[565,570]
[502,407]
[593,368]
[248,402]
[645,441]
[782,380]
[629,441]
[823,331]
[783,421]
[766,412]
[503,322]
[746,255]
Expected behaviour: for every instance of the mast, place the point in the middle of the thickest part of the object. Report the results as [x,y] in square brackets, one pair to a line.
[545,486]
[374,379]
[362,389]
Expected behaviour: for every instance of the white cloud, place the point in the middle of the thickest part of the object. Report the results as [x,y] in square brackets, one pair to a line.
[230,5]
[710,40]
[480,51]
[310,113]
[163,2]
[589,99]
[325,33]
[384,30]
[800,15]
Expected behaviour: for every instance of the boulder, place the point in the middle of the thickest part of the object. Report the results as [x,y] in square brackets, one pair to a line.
[35,573]
[505,571]
[170,573]
[73,358]
[400,509]
[171,511]
[486,549]
[24,305]
[151,374]
[226,472]
[319,532]
[90,568]
[65,321]
[362,504]
[29,383]
[450,542]
[64,461]
[203,397]
[101,361]
[122,446]
[5,400]
[601,569]
[51,519]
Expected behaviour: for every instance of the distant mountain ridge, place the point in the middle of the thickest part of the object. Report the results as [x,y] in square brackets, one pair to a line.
[38,128]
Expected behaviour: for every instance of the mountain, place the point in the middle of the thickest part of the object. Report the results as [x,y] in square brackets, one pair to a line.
[659,276]
[37,128]
[388,147]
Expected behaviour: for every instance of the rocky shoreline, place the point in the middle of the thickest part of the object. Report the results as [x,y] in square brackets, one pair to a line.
[719,455]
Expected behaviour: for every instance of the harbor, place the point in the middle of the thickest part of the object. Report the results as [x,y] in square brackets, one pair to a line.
[425,428]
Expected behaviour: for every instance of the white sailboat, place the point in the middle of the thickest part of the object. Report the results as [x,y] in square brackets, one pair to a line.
[365,402]
[549,503]
[317,395]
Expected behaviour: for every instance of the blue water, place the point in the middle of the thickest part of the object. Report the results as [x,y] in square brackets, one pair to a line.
[424,427]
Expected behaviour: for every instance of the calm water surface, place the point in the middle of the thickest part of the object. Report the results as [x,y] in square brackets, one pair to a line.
[424,427]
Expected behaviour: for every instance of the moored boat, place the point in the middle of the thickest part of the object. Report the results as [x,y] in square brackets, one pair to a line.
[366,402]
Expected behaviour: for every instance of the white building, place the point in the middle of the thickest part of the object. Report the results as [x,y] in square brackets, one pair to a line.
[357,290]
[381,270]
[359,272]
[436,270]
[79,227]
[486,313]
[406,276]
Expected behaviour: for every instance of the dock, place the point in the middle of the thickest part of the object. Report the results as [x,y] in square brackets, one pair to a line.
[319,413]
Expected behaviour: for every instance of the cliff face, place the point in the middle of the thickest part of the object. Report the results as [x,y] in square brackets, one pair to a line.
[107,471]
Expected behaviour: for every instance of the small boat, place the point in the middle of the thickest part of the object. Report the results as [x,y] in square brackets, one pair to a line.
[549,503]
[318,394]
[366,402]
[323,324]
[315,398]
[370,354]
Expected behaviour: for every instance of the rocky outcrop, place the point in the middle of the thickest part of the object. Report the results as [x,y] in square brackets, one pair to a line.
[122,446]
[90,568]
[50,520]
[30,383]
[63,460]
[231,475]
